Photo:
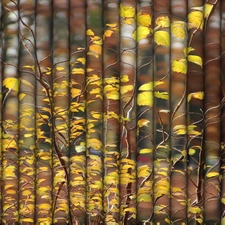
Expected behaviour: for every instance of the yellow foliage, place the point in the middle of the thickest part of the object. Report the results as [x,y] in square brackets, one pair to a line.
[108,33]
[194,209]
[21,96]
[94,143]
[180,129]
[149,86]
[191,130]
[141,32]
[11,83]
[82,60]
[162,38]
[78,71]
[144,19]
[179,66]
[195,59]
[212,174]
[59,68]
[124,78]
[126,88]
[145,151]
[207,9]
[195,20]
[143,122]
[162,95]
[145,98]
[163,21]
[178,29]
[127,11]
[198,95]
[90,32]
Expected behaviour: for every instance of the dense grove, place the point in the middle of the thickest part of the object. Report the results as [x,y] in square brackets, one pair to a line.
[112,112]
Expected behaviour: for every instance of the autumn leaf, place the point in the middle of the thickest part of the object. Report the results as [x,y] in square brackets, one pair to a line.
[198,95]
[127,11]
[162,95]
[212,174]
[162,38]
[163,21]
[178,29]
[207,9]
[11,83]
[144,19]
[195,59]
[195,20]
[150,85]
[179,66]
[126,88]
[108,33]
[145,98]
[90,32]
[141,32]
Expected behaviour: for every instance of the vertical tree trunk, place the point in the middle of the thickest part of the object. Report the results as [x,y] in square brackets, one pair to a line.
[195,97]
[162,122]
[77,150]
[27,109]
[60,112]
[111,66]
[10,114]
[94,115]
[178,112]
[128,112]
[145,111]
[44,135]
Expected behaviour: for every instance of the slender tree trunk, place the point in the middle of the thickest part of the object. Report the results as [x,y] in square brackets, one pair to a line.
[111,132]
[44,135]
[195,97]
[145,112]
[162,123]
[27,139]
[77,148]
[10,114]
[94,115]
[178,112]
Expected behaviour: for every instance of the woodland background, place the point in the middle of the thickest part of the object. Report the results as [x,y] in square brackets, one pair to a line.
[112,112]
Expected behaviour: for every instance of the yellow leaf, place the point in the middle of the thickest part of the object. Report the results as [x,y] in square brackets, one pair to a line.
[59,68]
[198,95]
[113,25]
[145,151]
[44,206]
[94,143]
[195,59]
[90,32]
[178,29]
[191,130]
[212,174]
[143,122]
[207,9]
[195,209]
[75,92]
[96,48]
[26,83]
[125,78]
[108,33]
[162,38]
[30,67]
[163,21]
[21,96]
[162,95]
[179,66]
[82,60]
[195,20]
[188,50]
[28,135]
[126,88]
[145,98]
[179,129]
[127,11]
[191,151]
[144,19]
[11,83]
[149,86]
[141,33]
[223,200]
[78,71]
